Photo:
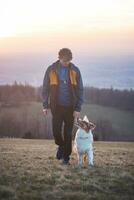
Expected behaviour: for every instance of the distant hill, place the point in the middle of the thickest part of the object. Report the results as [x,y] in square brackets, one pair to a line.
[28,121]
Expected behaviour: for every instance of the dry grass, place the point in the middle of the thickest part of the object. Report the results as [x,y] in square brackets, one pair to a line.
[29,171]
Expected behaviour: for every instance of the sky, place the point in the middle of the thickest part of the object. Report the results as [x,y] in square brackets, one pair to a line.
[33,31]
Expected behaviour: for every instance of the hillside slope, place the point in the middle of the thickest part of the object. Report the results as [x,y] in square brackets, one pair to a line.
[16,121]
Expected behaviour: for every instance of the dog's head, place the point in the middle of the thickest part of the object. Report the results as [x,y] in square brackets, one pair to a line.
[85,124]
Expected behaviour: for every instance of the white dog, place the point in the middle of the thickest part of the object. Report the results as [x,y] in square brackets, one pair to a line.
[83,143]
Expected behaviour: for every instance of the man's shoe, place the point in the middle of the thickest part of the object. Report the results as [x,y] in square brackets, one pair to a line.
[59,154]
[66,161]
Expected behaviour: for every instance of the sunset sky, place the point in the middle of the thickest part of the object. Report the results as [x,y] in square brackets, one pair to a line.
[41,27]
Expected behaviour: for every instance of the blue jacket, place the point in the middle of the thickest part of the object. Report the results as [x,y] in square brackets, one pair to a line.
[51,84]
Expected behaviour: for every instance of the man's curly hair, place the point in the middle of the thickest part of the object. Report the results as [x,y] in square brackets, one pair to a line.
[66,53]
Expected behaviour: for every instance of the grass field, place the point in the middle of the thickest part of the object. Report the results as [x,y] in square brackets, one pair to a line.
[29,171]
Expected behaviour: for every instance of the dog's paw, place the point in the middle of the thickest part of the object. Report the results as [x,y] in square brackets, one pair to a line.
[90,166]
[81,166]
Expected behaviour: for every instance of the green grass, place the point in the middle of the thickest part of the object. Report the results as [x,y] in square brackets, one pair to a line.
[29,171]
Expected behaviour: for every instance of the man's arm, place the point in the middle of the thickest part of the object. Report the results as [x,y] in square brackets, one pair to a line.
[45,89]
[80,91]
[79,102]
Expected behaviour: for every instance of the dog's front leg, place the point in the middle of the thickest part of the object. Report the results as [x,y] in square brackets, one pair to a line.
[90,157]
[80,159]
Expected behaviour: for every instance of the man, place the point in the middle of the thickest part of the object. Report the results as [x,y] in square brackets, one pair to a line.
[63,93]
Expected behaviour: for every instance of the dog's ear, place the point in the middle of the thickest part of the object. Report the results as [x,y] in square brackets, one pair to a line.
[85,119]
[92,125]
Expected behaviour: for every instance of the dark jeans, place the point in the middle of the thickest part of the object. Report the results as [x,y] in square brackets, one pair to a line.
[63,114]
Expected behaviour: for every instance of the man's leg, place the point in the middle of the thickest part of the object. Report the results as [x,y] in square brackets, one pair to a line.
[57,121]
[68,126]
[80,159]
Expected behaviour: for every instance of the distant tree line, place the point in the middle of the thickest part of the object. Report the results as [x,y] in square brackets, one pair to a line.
[121,99]
[18,93]
[15,94]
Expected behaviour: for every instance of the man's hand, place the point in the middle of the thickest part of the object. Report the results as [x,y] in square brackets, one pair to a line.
[76,115]
[45,111]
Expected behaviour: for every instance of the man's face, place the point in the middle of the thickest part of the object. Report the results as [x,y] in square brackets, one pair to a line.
[64,61]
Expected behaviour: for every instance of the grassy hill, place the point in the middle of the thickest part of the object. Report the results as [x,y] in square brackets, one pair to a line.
[122,121]
[29,171]
[16,121]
